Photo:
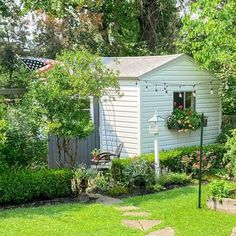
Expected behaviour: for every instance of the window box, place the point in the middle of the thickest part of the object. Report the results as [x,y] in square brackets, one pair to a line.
[184,120]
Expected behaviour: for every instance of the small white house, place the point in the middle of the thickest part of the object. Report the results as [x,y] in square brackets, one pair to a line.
[152,83]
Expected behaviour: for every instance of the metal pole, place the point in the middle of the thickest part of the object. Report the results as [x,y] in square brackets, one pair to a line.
[157,160]
[200,164]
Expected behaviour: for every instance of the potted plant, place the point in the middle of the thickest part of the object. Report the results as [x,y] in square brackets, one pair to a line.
[183,120]
[81,179]
[95,153]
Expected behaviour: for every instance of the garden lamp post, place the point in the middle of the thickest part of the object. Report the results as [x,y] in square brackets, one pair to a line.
[154,129]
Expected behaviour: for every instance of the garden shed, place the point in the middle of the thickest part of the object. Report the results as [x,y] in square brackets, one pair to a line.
[158,83]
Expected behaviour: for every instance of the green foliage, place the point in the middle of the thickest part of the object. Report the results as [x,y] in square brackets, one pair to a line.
[130,172]
[155,187]
[82,173]
[14,30]
[110,28]
[230,155]
[118,166]
[117,190]
[27,185]
[23,132]
[172,179]
[64,97]
[183,120]
[186,159]
[219,189]
[103,182]
[208,34]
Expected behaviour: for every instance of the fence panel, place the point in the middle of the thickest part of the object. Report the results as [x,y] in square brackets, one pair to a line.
[81,149]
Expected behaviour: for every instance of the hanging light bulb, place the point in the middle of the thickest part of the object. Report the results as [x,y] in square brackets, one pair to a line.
[146,85]
[136,83]
[211,90]
[156,88]
[180,94]
[194,90]
[165,88]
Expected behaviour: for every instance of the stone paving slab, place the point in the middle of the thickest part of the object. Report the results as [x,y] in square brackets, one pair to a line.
[163,232]
[128,208]
[143,225]
[136,213]
[108,200]
[233,232]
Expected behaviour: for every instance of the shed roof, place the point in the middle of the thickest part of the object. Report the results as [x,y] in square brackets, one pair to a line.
[133,67]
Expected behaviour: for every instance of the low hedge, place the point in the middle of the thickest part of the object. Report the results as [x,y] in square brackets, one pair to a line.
[170,179]
[172,159]
[27,185]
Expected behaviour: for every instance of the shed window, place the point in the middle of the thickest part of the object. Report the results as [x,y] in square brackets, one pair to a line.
[184,100]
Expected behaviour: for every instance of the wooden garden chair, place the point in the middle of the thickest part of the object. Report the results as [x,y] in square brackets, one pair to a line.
[105,157]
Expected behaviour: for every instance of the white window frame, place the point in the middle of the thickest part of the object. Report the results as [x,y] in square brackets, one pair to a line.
[184,98]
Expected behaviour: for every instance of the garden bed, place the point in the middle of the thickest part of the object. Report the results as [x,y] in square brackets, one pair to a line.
[225,204]
[91,199]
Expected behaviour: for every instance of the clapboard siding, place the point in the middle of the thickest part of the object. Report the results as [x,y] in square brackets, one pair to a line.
[184,72]
[119,120]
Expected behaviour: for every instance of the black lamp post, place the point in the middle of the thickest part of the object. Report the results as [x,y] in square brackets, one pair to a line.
[200,164]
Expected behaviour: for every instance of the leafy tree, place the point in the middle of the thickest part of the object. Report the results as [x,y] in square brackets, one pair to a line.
[25,143]
[63,96]
[114,28]
[209,35]
[13,40]
[230,155]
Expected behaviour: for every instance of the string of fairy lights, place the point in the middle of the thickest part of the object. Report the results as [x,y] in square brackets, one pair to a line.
[158,86]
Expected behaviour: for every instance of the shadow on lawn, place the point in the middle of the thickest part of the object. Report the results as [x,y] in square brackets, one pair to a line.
[48,211]
[163,196]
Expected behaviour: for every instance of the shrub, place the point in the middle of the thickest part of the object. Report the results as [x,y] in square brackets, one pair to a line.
[155,188]
[230,155]
[171,179]
[118,166]
[102,182]
[27,185]
[219,189]
[131,173]
[117,190]
[185,159]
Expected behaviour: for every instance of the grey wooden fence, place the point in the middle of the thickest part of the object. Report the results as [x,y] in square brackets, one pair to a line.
[80,148]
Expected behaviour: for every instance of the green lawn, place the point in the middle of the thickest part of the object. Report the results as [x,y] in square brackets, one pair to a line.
[175,208]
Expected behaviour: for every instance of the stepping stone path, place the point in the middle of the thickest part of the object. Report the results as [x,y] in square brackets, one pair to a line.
[133,213]
[144,224]
[163,232]
[108,200]
[233,232]
[128,208]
